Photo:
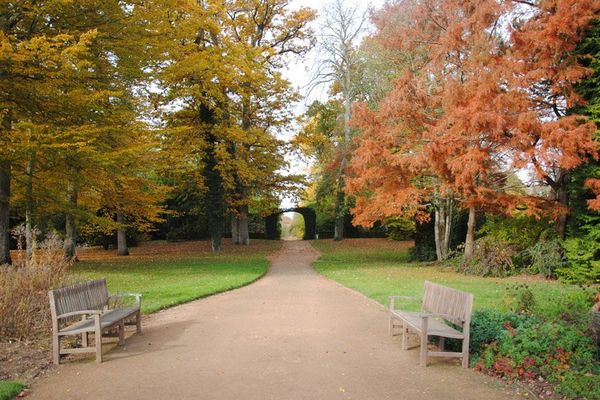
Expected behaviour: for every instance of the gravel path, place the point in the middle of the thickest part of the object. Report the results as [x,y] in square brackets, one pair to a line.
[292,335]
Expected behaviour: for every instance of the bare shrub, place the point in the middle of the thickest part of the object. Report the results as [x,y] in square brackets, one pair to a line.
[24,307]
[491,257]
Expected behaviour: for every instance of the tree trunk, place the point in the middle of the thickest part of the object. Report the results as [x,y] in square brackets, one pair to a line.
[340,210]
[470,239]
[29,239]
[5,212]
[243,225]
[242,221]
[71,223]
[215,196]
[340,200]
[215,241]
[443,228]
[562,196]
[340,204]
[235,237]
[436,229]
[122,249]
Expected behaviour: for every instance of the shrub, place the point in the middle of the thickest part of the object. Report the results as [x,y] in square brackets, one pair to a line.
[424,249]
[491,257]
[520,299]
[519,232]
[422,253]
[488,326]
[552,342]
[545,257]
[400,228]
[24,310]
[572,308]
[548,349]
[578,385]
[583,264]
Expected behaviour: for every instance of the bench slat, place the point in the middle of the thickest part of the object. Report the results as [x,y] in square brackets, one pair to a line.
[107,320]
[435,326]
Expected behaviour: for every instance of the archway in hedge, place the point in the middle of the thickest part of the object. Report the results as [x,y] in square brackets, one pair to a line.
[310,223]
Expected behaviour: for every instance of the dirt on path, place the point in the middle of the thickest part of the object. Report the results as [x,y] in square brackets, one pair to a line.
[292,335]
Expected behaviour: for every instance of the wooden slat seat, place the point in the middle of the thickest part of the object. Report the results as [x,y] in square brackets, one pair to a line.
[84,308]
[436,326]
[108,319]
[442,310]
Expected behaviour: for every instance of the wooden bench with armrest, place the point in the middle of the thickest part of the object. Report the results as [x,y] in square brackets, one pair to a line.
[443,310]
[86,308]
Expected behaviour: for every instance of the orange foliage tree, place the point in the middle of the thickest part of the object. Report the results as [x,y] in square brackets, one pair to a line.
[470,109]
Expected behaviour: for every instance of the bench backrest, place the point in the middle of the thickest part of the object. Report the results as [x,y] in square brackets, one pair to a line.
[92,295]
[454,305]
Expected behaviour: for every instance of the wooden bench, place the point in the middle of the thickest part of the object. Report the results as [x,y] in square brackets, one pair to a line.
[442,310]
[85,308]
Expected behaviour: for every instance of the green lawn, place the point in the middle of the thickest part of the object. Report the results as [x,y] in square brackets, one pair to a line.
[168,274]
[378,268]
[9,389]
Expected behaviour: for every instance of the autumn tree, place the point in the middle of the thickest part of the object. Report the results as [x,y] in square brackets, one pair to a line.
[204,65]
[267,31]
[70,94]
[545,65]
[337,63]
[461,116]
[318,141]
[37,58]
[223,61]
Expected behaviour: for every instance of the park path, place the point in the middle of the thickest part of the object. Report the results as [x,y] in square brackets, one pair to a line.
[292,335]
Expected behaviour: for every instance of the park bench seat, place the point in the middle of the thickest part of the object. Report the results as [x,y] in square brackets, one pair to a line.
[108,319]
[443,310]
[435,326]
[87,308]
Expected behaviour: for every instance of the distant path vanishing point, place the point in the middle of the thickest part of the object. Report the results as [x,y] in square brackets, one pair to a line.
[292,335]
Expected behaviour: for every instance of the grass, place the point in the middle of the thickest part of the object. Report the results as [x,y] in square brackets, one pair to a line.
[379,268]
[168,274]
[9,389]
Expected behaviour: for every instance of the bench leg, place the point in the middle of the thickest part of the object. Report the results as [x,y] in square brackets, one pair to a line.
[423,358]
[84,339]
[424,329]
[138,323]
[441,343]
[465,351]
[404,335]
[122,333]
[391,327]
[56,349]
[98,339]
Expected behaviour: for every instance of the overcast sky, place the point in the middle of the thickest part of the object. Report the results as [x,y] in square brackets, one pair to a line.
[299,69]
[299,74]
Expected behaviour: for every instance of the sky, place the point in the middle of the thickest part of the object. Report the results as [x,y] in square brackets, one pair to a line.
[299,69]
[298,72]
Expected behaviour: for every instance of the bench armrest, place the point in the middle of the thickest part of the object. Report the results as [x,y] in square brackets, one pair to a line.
[80,312]
[394,298]
[138,296]
[138,299]
[449,317]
